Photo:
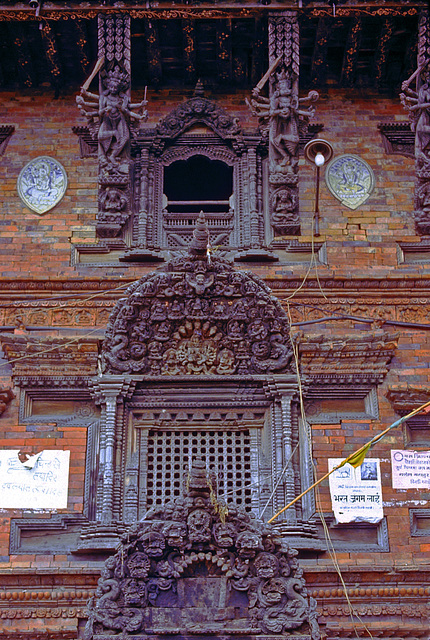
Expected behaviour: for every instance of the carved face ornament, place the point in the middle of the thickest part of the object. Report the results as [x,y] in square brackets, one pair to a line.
[248,543]
[266,565]
[154,544]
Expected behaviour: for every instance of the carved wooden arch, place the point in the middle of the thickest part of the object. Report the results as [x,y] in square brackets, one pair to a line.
[224,154]
[196,110]
[198,317]
[195,567]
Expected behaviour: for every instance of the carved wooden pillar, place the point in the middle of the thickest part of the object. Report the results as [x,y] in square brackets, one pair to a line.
[142,223]
[283,179]
[287,451]
[416,98]
[253,210]
[283,394]
[283,113]
[109,393]
[114,163]
[112,122]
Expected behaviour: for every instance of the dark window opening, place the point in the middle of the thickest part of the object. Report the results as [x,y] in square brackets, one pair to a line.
[198,184]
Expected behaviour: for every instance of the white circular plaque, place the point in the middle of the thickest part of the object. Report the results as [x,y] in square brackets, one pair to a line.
[42,183]
[350,179]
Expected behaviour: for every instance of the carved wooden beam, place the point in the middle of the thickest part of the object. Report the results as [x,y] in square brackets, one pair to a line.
[188,27]
[51,357]
[25,66]
[223,50]
[319,58]
[405,398]
[49,42]
[351,52]
[359,359]
[82,40]
[239,62]
[154,57]
[259,51]
[381,53]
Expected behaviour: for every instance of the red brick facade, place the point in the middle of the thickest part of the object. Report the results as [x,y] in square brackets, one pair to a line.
[366,274]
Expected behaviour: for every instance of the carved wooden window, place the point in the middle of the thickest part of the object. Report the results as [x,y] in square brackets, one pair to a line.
[169,453]
[195,184]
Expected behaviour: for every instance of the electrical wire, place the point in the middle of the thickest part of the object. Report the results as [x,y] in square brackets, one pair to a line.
[330,546]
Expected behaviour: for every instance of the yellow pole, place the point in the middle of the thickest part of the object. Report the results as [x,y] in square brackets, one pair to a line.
[356,453]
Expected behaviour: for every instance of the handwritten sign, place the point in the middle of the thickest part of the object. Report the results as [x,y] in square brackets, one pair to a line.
[39,483]
[411,469]
[356,494]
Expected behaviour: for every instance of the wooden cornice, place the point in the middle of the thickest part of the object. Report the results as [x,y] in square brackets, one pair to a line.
[51,357]
[165,9]
[350,359]
[28,290]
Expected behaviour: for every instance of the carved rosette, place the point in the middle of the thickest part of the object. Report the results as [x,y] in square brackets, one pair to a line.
[198,318]
[196,567]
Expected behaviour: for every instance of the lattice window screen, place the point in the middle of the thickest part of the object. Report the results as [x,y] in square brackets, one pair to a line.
[226,452]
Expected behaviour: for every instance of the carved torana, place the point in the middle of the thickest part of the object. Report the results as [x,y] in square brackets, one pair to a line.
[197,109]
[198,566]
[198,316]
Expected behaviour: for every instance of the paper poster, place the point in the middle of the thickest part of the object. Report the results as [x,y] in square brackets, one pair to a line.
[356,494]
[39,483]
[410,469]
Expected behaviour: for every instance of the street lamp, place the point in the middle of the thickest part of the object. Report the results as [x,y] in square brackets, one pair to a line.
[318,152]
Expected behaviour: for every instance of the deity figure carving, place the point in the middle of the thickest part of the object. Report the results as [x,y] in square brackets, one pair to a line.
[199,526]
[417,102]
[110,114]
[284,205]
[280,115]
[112,200]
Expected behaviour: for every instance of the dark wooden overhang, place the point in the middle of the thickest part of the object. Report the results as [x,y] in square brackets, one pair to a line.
[365,45]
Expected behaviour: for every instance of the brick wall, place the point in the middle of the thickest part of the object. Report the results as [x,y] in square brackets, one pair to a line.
[362,278]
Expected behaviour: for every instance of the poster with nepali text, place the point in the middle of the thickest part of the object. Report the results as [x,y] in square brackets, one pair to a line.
[356,494]
[410,469]
[41,482]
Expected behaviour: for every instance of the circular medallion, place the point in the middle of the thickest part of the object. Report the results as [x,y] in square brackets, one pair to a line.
[42,183]
[350,179]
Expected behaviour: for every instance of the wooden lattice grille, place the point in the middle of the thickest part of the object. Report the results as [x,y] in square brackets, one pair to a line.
[227,453]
